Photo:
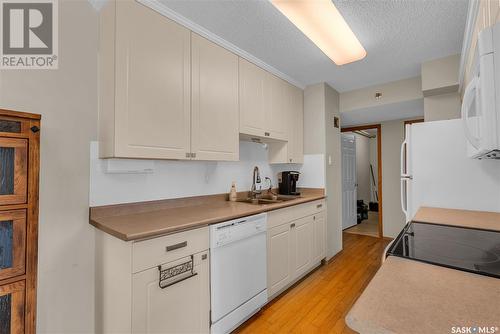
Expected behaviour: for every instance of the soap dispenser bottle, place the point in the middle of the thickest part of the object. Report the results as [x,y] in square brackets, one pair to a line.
[232,194]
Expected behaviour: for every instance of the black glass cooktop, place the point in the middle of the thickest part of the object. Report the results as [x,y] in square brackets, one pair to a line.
[467,249]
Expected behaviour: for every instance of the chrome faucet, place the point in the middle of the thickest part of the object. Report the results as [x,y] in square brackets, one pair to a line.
[255,180]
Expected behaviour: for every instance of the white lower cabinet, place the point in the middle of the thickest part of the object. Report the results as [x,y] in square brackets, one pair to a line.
[279,257]
[296,242]
[303,238]
[159,285]
[181,307]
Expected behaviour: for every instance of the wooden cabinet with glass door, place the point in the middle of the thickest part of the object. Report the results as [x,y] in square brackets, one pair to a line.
[19,174]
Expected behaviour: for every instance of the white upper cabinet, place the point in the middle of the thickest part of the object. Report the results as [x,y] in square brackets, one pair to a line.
[214,102]
[296,126]
[292,118]
[168,93]
[145,84]
[254,99]
[277,111]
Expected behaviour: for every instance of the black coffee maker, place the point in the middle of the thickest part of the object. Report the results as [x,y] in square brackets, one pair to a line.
[288,183]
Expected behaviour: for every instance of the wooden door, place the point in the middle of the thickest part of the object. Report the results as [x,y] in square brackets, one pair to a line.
[12,301]
[13,170]
[182,307]
[319,237]
[214,124]
[12,243]
[279,253]
[303,237]
[252,94]
[349,193]
[152,105]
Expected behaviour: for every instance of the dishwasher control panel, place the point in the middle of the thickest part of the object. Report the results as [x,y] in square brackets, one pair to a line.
[237,229]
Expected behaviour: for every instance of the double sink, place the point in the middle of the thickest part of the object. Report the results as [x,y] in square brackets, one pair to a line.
[268,199]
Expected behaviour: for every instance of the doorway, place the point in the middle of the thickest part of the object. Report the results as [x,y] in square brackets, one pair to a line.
[362,180]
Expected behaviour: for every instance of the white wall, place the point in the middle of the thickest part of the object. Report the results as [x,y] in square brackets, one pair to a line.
[67,100]
[442,107]
[321,105]
[392,92]
[174,179]
[374,163]
[333,172]
[393,216]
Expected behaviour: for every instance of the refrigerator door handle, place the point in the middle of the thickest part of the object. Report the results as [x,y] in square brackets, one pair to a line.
[403,146]
[403,200]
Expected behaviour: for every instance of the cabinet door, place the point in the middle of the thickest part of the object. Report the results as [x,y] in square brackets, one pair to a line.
[152,111]
[13,170]
[253,96]
[319,237]
[279,266]
[12,243]
[303,237]
[214,124]
[12,304]
[182,307]
[277,109]
[296,126]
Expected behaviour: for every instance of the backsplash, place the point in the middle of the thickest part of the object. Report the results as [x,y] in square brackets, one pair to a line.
[174,179]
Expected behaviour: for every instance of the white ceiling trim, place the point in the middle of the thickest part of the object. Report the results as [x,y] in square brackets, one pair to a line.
[469,29]
[167,12]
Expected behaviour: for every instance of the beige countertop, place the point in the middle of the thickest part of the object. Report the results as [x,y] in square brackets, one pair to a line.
[134,221]
[465,218]
[407,296]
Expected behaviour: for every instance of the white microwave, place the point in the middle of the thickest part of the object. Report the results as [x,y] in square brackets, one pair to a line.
[481,101]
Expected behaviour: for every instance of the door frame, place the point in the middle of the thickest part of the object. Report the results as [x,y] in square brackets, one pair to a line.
[379,167]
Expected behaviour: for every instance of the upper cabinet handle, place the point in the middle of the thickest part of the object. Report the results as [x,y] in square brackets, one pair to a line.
[176,246]
[319,206]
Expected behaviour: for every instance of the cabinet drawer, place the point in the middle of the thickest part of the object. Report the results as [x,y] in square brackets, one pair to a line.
[151,253]
[285,215]
[12,243]
[12,307]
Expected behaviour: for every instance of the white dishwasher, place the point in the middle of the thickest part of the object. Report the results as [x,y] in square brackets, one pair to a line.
[238,271]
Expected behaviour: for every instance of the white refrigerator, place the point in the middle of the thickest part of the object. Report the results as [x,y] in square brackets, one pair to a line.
[436,172]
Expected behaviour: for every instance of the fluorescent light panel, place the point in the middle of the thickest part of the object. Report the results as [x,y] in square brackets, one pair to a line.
[323,24]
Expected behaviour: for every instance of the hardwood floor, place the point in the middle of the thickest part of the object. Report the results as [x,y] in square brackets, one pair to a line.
[319,303]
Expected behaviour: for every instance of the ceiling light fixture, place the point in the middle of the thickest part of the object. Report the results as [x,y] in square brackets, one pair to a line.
[323,24]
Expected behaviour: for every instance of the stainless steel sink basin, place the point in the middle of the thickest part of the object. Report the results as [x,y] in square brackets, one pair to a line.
[268,200]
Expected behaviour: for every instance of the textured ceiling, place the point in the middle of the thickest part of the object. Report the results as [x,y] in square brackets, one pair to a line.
[398,36]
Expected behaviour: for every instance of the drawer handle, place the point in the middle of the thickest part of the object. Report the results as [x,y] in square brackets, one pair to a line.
[183,271]
[176,246]
[267,134]
[319,206]
[292,225]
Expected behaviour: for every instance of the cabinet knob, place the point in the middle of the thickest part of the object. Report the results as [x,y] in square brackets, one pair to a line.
[292,225]
[35,129]
[290,159]
[267,134]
